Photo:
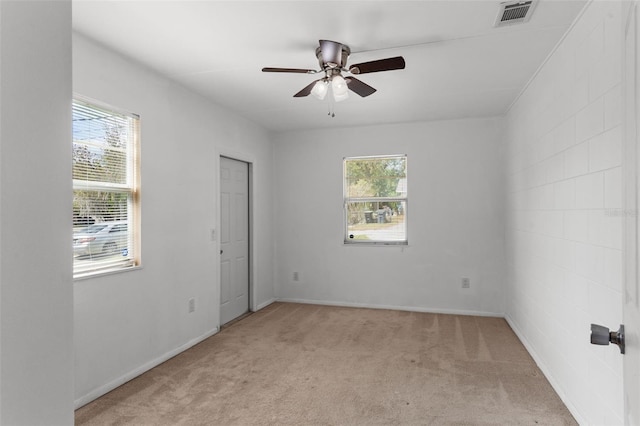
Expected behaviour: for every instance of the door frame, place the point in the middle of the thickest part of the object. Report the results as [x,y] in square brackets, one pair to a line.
[249,159]
[630,126]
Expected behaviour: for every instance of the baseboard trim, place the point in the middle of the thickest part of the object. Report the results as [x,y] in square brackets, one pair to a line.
[102,390]
[265,304]
[545,370]
[394,307]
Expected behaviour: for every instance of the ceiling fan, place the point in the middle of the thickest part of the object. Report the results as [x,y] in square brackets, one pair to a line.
[332,57]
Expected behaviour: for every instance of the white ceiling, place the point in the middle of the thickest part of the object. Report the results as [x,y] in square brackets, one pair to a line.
[457,64]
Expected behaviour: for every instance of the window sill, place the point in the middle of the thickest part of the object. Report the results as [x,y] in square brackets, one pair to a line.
[376,243]
[104,272]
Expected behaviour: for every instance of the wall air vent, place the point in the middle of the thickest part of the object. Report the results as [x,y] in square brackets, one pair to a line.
[515,12]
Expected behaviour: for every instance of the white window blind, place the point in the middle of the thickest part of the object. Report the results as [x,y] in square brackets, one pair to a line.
[104,188]
[375,200]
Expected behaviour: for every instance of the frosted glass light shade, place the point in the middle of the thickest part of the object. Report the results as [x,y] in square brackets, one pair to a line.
[320,89]
[340,88]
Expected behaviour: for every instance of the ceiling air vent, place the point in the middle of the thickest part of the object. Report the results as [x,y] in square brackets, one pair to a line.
[515,12]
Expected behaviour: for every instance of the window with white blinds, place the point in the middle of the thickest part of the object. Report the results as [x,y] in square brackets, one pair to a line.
[105,190]
[375,200]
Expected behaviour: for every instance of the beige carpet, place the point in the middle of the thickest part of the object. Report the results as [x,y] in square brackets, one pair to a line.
[292,364]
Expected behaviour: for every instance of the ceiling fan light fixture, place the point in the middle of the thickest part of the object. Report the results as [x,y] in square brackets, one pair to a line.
[340,88]
[332,58]
[320,89]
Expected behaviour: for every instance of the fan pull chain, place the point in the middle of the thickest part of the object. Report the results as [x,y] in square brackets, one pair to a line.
[331,113]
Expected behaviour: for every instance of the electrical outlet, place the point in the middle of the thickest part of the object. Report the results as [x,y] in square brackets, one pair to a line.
[296,276]
[466,283]
[213,234]
[192,305]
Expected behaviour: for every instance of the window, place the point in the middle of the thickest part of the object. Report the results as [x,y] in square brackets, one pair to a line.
[105,189]
[375,200]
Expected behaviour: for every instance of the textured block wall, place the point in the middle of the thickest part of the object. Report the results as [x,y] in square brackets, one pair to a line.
[564,214]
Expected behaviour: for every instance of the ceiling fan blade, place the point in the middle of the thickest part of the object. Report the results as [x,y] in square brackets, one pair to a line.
[294,70]
[307,90]
[362,89]
[396,63]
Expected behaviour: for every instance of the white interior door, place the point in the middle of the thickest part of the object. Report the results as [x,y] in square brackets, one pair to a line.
[234,239]
[631,307]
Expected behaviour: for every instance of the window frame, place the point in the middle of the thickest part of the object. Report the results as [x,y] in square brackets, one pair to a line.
[131,188]
[401,199]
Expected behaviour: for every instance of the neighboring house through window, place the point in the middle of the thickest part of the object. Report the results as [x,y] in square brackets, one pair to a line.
[105,189]
[375,200]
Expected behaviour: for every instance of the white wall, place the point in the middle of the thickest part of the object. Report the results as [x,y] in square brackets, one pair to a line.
[127,322]
[36,293]
[563,214]
[455,222]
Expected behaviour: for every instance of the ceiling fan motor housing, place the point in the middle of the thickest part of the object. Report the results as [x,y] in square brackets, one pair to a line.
[332,54]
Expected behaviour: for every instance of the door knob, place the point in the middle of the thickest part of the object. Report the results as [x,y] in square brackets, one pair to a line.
[220,251]
[602,336]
